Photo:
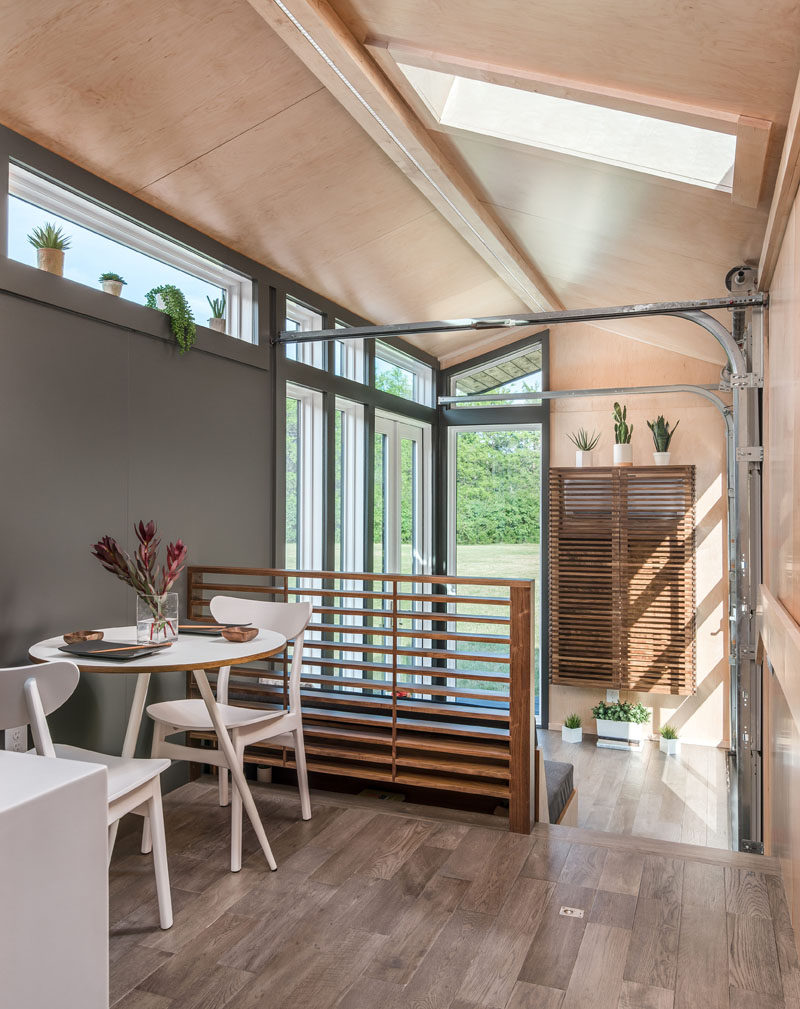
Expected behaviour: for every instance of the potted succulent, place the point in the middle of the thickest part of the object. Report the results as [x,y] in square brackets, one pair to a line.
[50,243]
[662,436]
[217,306]
[623,450]
[571,731]
[170,299]
[669,742]
[112,283]
[620,725]
[585,444]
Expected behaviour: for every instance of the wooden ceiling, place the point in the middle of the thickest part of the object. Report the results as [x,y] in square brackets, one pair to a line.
[206,112]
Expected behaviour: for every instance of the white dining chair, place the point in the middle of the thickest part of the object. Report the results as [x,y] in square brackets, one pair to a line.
[282,726]
[28,694]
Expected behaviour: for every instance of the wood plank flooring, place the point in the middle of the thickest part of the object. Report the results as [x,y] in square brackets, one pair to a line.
[400,908]
[648,794]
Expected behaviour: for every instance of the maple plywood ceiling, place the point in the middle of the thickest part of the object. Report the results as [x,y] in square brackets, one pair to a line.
[205,112]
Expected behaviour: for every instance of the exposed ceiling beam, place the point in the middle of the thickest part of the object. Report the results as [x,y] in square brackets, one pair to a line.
[319,38]
[783,196]
[752,143]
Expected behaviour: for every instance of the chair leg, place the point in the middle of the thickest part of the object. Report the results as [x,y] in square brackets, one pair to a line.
[159,735]
[160,855]
[302,774]
[223,786]
[236,813]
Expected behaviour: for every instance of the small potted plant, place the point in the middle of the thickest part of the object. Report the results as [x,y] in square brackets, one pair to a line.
[170,299]
[623,450]
[112,283]
[669,742]
[50,243]
[662,436]
[620,724]
[217,306]
[585,444]
[571,731]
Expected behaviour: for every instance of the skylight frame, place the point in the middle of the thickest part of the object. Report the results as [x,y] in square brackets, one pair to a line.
[436,87]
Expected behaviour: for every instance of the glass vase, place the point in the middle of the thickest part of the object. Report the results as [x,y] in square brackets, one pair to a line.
[157,619]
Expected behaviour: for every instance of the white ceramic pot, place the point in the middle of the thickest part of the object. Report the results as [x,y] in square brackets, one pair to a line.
[672,747]
[217,324]
[619,734]
[623,455]
[161,305]
[661,458]
[571,735]
[51,260]
[583,458]
[112,287]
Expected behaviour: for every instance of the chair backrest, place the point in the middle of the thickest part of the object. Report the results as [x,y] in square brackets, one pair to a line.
[288,619]
[29,693]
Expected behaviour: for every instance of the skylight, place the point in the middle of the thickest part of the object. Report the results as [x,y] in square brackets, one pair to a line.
[688,154]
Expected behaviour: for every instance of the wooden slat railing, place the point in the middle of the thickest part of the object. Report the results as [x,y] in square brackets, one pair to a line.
[415,680]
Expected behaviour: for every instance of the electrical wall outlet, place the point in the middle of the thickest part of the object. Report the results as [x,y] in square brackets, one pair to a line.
[612,696]
[17,739]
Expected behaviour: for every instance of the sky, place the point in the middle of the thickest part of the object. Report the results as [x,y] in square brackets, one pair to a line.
[91,254]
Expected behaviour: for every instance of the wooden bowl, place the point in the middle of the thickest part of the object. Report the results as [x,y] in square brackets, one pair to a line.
[75,636]
[239,633]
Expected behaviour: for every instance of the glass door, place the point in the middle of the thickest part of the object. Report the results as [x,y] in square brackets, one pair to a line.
[494,521]
[402,495]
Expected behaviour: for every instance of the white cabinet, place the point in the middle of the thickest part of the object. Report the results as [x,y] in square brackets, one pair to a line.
[53,884]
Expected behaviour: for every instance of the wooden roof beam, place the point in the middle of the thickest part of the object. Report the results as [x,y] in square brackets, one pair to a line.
[783,196]
[313,31]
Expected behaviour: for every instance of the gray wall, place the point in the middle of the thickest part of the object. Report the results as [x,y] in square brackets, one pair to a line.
[103,425]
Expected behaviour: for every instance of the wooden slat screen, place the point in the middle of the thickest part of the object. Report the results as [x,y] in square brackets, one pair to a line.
[622,578]
[407,680]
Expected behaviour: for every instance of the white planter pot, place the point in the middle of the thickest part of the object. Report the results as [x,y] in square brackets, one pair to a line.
[160,303]
[619,735]
[571,735]
[623,455]
[672,747]
[583,458]
[217,324]
[112,287]
[661,458]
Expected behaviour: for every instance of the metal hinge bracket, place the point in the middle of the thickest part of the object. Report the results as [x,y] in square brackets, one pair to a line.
[754,847]
[750,380]
[750,453]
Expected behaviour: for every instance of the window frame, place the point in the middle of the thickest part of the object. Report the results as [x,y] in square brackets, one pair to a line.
[307,318]
[28,185]
[396,429]
[421,372]
[310,477]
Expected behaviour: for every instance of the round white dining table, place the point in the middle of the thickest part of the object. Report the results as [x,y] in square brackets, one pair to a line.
[193,653]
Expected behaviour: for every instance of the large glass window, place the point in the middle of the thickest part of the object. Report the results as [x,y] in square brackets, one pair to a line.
[349,486]
[519,373]
[349,357]
[304,478]
[302,319]
[402,375]
[495,476]
[402,496]
[103,241]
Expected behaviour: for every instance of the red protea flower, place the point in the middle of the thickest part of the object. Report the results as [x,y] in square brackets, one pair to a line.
[140,571]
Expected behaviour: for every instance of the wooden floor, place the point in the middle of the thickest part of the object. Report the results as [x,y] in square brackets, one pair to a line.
[376,906]
[681,798]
